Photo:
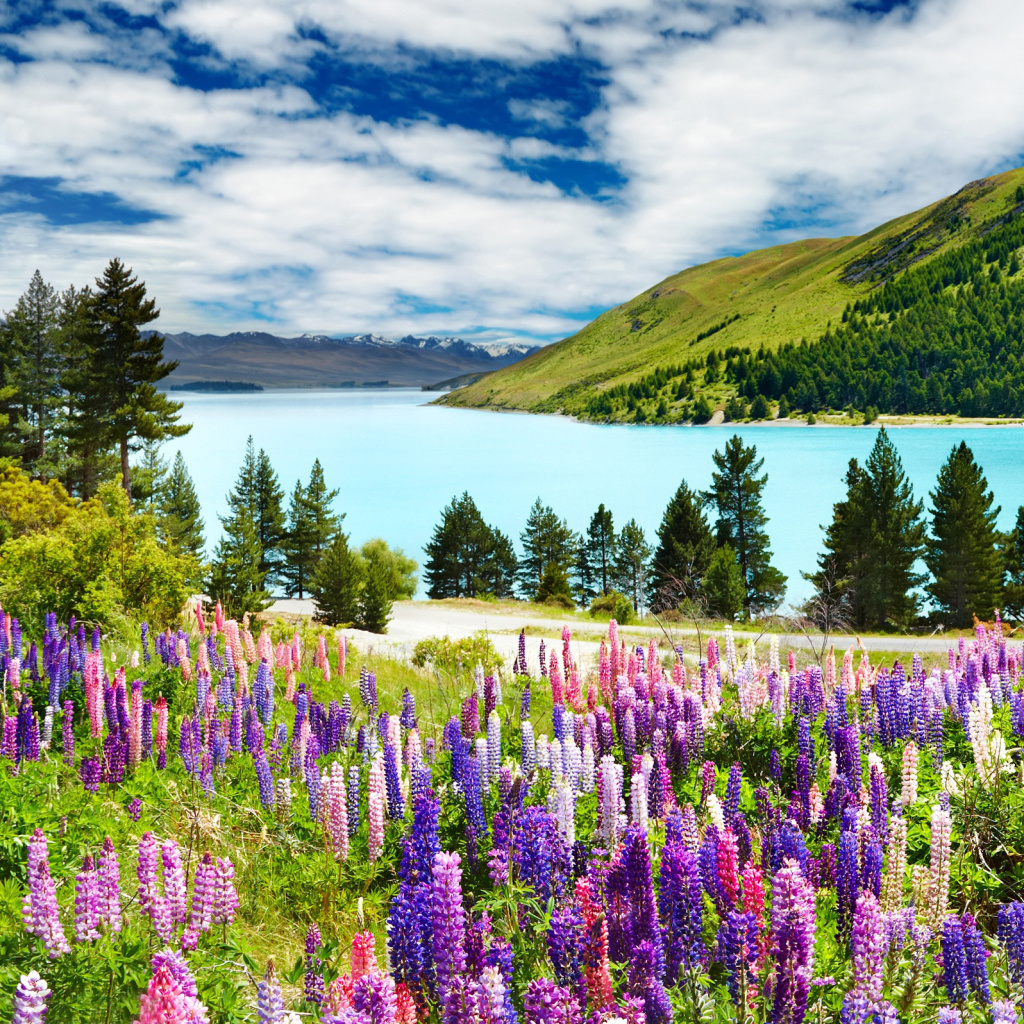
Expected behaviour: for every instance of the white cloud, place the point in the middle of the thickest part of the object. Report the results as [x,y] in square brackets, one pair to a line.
[341,223]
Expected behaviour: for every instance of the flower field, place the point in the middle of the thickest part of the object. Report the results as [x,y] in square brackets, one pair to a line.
[220,826]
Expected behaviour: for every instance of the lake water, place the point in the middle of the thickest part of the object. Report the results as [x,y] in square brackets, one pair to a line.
[398,461]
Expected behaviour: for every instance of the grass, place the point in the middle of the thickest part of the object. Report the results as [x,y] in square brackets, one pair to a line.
[767,297]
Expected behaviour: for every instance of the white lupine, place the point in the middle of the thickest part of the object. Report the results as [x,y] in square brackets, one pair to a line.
[587,769]
[715,812]
[493,744]
[542,750]
[555,757]
[529,752]
[638,800]
[482,761]
[908,792]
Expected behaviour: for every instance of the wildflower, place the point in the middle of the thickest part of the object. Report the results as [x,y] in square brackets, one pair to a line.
[30,999]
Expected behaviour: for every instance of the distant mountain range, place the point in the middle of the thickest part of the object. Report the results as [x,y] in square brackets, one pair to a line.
[318,360]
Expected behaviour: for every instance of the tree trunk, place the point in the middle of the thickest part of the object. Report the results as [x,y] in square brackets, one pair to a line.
[126,472]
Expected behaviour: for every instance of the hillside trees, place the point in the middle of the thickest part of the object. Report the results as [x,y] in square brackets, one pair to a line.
[466,557]
[962,552]
[736,494]
[546,540]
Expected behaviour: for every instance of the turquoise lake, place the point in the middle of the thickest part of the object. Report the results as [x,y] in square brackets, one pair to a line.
[398,461]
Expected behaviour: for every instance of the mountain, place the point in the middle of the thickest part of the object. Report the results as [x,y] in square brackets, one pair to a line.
[260,358]
[856,322]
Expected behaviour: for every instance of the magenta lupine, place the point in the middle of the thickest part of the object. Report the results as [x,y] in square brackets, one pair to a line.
[164,1002]
[109,878]
[225,902]
[30,999]
[793,928]
[40,911]
[204,894]
[87,910]
[146,872]
[373,996]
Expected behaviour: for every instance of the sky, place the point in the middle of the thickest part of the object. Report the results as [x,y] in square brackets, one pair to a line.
[497,169]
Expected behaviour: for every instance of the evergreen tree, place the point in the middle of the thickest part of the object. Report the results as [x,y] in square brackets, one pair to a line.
[736,492]
[401,568]
[600,547]
[124,368]
[377,598]
[311,524]
[466,557]
[337,583]
[722,586]
[632,565]
[33,356]
[583,573]
[1013,564]
[149,477]
[181,520]
[240,568]
[962,552]
[893,536]
[685,547]
[546,540]
[269,517]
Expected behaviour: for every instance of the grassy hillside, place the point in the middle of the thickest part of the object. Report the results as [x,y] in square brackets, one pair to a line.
[760,301]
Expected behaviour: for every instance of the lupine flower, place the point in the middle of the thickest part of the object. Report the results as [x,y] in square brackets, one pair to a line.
[39,910]
[314,980]
[375,801]
[87,914]
[793,928]
[204,895]
[30,999]
[449,926]
[109,887]
[163,1002]
[225,901]
[1004,1012]
[175,891]
[269,1004]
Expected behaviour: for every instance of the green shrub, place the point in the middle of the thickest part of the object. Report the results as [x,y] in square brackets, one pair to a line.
[448,655]
[615,605]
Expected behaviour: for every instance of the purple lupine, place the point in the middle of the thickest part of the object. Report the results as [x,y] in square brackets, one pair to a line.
[1011,934]
[135,809]
[974,951]
[175,891]
[396,806]
[264,778]
[954,960]
[793,928]
[146,872]
[204,895]
[707,781]
[39,909]
[87,909]
[643,910]
[67,732]
[681,905]
[564,940]
[544,1002]
[373,996]
[847,878]
[352,795]
[448,919]
[90,771]
[868,947]
[1004,1012]
[225,900]
[313,991]
[269,1004]
[737,949]
[109,877]
[30,999]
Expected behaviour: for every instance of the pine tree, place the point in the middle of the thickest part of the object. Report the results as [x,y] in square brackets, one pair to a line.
[311,525]
[466,557]
[632,565]
[1013,564]
[546,540]
[962,552]
[736,493]
[239,574]
[149,477]
[722,586]
[893,536]
[124,368]
[685,547]
[181,520]
[34,367]
[600,547]
[269,516]
[337,583]
[377,599]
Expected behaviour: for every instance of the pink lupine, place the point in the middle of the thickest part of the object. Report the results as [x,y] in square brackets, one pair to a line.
[200,622]
[342,652]
[334,810]
[202,660]
[161,725]
[164,1002]
[322,661]
[93,681]
[175,889]
[265,646]
[296,651]
[225,902]
[218,619]
[135,725]
[181,649]
[250,646]
[555,673]
[728,865]
[364,957]
[376,804]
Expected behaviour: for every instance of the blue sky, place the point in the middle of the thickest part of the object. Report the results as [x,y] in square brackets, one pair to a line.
[497,170]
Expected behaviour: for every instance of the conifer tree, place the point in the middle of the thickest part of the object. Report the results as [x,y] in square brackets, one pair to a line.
[546,540]
[1013,565]
[311,525]
[123,367]
[962,552]
[32,353]
[685,547]
[240,569]
[466,557]
[893,537]
[376,600]
[600,547]
[337,583]
[722,586]
[181,520]
[736,493]
[632,565]
[269,512]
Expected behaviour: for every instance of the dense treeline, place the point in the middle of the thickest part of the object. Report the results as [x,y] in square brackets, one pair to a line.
[78,381]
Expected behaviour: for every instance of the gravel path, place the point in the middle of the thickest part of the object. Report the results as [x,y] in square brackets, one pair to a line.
[415,620]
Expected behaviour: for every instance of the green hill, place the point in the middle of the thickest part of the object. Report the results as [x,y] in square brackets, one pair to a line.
[822,323]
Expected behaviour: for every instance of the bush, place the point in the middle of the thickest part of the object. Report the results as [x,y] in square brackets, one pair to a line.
[561,601]
[615,605]
[448,655]
[554,584]
[702,410]
[759,409]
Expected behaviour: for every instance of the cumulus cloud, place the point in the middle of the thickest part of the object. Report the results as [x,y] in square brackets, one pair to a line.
[727,127]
